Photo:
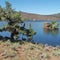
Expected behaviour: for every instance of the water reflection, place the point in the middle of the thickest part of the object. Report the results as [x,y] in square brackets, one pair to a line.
[47,31]
[53,32]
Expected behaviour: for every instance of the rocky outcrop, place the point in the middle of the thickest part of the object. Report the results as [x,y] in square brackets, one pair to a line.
[51,26]
[47,25]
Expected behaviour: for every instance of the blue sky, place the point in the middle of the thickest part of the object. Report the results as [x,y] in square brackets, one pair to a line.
[44,7]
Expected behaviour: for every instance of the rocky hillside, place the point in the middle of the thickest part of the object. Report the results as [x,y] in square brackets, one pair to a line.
[31,16]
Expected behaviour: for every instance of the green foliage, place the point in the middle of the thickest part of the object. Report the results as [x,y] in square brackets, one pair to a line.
[31,30]
[1,14]
[54,24]
[13,17]
[1,9]
[8,5]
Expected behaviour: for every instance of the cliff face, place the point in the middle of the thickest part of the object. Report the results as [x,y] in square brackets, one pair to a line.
[31,16]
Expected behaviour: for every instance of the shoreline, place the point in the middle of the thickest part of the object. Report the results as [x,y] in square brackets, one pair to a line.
[42,20]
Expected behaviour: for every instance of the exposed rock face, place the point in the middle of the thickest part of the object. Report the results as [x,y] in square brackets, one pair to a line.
[47,25]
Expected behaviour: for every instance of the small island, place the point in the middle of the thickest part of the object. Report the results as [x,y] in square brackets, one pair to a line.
[51,26]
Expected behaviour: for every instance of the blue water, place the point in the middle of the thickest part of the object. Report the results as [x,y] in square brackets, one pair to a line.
[42,36]
[4,33]
[50,38]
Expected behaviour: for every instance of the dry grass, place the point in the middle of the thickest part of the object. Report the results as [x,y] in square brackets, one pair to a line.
[28,51]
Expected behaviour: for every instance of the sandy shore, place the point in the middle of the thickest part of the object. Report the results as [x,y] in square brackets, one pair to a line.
[28,51]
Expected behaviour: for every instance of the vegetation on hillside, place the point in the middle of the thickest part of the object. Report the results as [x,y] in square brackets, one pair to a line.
[37,17]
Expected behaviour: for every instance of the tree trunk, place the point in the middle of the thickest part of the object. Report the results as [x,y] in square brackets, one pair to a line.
[12,37]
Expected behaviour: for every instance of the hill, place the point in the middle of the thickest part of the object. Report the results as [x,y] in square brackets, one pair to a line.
[31,16]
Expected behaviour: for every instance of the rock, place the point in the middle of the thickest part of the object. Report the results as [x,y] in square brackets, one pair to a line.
[47,25]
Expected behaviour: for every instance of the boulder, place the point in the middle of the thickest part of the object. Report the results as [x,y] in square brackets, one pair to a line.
[47,25]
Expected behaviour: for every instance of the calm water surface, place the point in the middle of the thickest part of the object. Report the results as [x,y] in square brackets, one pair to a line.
[42,36]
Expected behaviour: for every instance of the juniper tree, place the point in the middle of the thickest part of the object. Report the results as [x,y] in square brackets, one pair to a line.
[14,18]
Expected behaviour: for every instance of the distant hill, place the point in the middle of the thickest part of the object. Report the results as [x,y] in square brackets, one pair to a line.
[31,16]
[56,15]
